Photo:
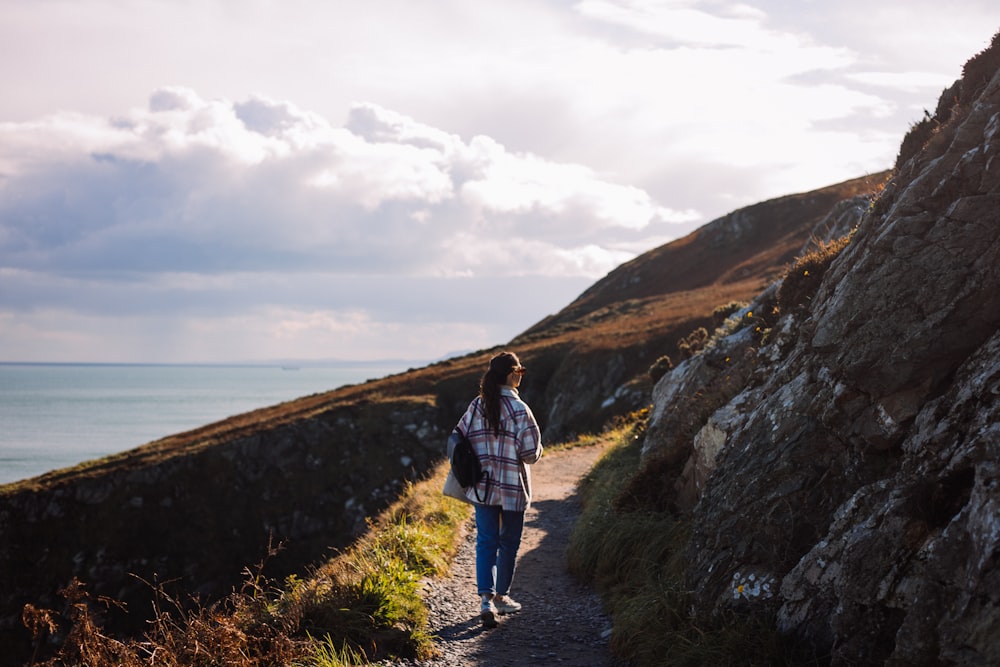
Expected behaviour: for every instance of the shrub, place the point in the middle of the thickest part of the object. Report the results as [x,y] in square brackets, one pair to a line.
[660,367]
[693,343]
[977,72]
[722,313]
[916,138]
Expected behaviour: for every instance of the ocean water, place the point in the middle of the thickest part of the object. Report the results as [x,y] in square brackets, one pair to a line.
[57,415]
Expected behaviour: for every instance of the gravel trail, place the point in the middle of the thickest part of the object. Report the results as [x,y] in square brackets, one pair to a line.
[562,621]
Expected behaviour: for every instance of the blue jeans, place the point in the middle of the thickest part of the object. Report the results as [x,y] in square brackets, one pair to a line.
[498,536]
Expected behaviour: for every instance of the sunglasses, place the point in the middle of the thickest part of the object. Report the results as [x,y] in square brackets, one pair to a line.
[518,369]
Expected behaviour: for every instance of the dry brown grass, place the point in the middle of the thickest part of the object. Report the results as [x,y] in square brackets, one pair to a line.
[805,275]
[234,631]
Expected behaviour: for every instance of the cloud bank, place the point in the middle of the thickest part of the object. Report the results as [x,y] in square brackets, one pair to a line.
[266,221]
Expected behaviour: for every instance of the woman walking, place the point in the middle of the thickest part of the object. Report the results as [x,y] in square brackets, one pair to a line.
[506,438]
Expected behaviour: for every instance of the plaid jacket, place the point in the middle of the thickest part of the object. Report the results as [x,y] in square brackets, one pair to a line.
[504,456]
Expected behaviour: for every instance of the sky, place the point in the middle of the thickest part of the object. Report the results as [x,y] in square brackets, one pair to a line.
[204,181]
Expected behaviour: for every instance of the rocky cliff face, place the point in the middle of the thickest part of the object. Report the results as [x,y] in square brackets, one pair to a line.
[838,452]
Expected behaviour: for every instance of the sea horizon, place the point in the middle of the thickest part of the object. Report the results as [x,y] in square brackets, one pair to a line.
[59,414]
[305,363]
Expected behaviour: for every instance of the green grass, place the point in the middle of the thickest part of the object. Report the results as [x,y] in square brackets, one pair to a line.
[365,604]
[327,654]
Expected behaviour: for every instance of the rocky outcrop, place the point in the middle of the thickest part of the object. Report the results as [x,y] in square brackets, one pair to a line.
[840,465]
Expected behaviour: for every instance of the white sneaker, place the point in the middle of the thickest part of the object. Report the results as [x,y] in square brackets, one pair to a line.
[488,613]
[506,605]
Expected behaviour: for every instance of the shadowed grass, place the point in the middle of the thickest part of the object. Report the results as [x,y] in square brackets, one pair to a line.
[634,558]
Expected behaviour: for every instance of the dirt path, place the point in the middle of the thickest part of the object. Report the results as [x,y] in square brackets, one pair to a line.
[562,621]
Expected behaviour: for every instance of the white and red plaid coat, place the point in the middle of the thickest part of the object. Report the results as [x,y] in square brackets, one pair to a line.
[506,456]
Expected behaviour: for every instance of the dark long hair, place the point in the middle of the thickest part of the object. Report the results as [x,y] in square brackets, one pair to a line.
[501,366]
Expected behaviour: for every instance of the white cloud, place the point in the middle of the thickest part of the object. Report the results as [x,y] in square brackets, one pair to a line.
[186,185]
[515,184]
[211,218]
[908,81]
[195,318]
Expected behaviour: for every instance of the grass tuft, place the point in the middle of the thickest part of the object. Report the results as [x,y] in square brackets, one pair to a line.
[804,276]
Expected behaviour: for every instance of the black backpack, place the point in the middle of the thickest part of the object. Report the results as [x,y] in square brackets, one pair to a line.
[466,467]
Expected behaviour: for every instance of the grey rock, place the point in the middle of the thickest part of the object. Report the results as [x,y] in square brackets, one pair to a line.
[849,462]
